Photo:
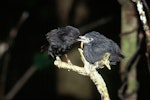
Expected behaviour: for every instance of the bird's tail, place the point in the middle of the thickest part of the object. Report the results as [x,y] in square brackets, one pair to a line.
[44,48]
[116,58]
[121,56]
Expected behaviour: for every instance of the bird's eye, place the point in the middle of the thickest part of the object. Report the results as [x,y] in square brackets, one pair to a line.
[90,39]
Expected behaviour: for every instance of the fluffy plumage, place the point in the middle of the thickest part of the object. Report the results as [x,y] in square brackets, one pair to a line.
[96,45]
[60,40]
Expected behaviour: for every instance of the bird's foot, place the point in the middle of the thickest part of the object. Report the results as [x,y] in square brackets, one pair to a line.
[105,61]
[69,62]
[58,58]
[68,59]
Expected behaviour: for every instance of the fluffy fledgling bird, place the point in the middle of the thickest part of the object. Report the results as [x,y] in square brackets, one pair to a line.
[95,45]
[60,40]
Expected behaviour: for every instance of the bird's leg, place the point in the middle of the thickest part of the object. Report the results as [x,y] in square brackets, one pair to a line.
[87,66]
[105,61]
[68,59]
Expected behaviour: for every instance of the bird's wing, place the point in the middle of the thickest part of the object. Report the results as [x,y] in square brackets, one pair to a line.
[98,50]
[115,51]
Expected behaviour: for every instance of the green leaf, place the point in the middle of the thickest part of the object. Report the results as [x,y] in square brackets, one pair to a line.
[42,60]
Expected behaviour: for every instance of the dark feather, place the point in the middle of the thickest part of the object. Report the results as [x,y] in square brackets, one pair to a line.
[60,40]
[95,50]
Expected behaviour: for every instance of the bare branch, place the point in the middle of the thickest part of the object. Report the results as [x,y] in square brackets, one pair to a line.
[87,70]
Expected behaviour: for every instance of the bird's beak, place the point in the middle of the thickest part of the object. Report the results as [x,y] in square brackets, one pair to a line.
[83,39]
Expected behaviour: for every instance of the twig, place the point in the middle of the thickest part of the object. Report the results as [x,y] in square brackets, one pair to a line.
[146,28]
[135,58]
[143,19]
[3,48]
[4,75]
[12,34]
[20,83]
[87,70]
[100,84]
[64,65]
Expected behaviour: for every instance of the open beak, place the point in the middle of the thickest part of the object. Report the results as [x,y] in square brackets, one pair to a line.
[83,39]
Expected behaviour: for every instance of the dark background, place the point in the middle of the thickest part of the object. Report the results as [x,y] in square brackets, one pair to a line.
[31,36]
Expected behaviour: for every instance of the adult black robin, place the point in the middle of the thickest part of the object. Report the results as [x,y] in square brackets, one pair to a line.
[60,40]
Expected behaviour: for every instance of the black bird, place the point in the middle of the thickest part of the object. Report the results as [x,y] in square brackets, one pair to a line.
[95,45]
[61,39]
